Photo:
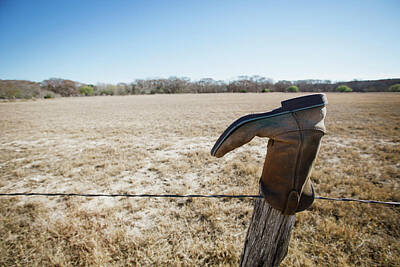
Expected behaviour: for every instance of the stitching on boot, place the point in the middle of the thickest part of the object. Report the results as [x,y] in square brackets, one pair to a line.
[290,197]
[292,203]
[299,152]
[303,130]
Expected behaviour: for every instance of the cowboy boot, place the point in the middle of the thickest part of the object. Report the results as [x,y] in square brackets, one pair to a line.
[294,131]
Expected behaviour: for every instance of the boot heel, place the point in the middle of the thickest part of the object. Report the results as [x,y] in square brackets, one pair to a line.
[304,102]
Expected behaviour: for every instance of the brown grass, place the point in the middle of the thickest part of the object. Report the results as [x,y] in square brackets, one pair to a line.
[160,144]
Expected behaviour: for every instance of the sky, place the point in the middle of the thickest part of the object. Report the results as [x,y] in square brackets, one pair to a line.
[120,41]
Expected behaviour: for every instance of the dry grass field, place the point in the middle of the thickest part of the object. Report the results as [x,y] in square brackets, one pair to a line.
[160,144]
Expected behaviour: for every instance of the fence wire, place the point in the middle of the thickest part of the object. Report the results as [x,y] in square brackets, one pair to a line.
[186,196]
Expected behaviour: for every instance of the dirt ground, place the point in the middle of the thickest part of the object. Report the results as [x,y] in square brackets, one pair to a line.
[160,144]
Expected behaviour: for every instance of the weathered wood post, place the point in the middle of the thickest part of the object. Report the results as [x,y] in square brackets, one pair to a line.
[268,236]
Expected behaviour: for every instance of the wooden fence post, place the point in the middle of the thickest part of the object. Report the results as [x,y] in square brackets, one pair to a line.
[268,236]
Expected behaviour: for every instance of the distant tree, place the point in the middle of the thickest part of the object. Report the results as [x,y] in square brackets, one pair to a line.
[48,95]
[105,89]
[253,83]
[394,88]
[206,85]
[86,90]
[281,86]
[343,89]
[292,89]
[123,89]
[175,85]
[133,89]
[61,86]
[10,89]
[106,92]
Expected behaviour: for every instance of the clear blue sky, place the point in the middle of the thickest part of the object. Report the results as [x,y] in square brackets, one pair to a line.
[119,41]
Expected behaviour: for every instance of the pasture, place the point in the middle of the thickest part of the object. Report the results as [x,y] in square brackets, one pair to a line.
[161,144]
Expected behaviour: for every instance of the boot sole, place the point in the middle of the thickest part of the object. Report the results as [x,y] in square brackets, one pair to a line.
[287,106]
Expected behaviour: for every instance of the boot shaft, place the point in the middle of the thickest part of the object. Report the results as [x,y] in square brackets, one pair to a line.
[285,178]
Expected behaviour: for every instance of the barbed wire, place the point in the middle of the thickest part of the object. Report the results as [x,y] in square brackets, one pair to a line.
[185,196]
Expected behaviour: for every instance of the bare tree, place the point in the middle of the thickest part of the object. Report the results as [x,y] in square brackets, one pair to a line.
[61,86]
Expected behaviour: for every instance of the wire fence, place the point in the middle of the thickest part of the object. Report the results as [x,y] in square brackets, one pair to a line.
[186,196]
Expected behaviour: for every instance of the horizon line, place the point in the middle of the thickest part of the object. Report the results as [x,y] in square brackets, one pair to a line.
[223,80]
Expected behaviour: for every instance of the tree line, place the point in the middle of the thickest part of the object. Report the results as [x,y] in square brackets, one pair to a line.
[175,85]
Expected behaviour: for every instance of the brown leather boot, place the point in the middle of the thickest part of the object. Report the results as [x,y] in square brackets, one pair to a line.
[294,131]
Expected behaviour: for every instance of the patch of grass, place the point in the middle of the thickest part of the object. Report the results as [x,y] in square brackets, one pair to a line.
[160,144]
